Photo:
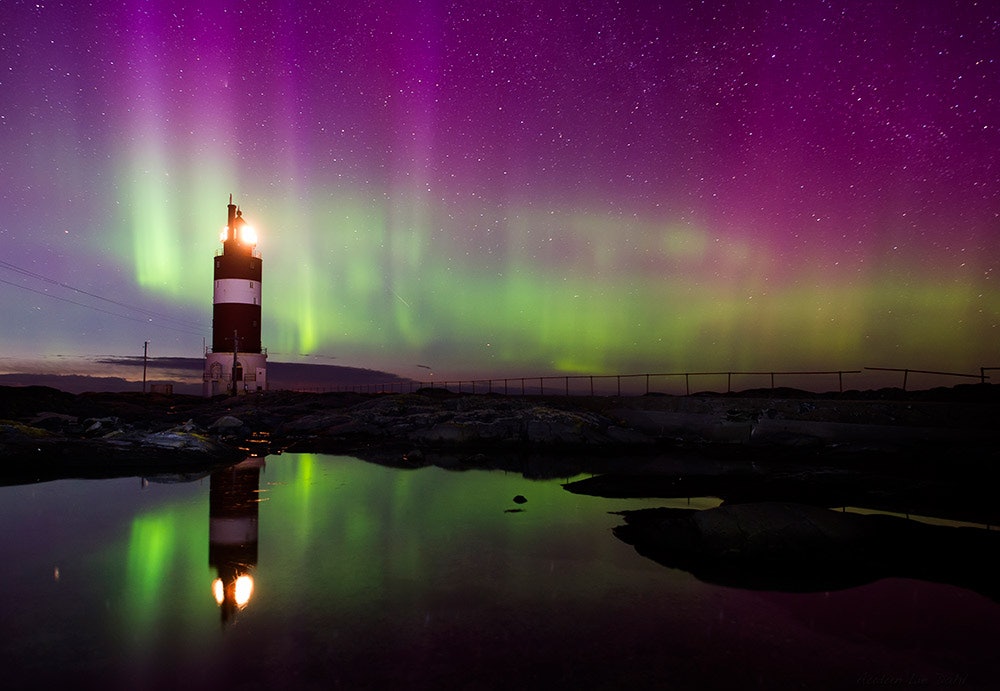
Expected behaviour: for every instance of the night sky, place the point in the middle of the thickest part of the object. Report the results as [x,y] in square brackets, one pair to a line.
[519,188]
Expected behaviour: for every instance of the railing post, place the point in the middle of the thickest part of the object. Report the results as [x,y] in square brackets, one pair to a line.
[592,386]
[522,386]
[619,386]
[687,383]
[729,382]
[541,386]
[772,380]
[906,373]
[567,385]
[647,383]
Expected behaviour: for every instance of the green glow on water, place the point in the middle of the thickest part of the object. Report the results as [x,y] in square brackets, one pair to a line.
[371,530]
[166,574]
[151,550]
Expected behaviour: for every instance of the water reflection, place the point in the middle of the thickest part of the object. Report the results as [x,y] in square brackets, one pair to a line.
[233,530]
[419,578]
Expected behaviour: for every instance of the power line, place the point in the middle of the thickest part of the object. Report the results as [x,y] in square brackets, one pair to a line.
[98,309]
[151,313]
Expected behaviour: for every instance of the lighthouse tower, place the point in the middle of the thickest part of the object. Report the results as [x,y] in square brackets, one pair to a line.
[236,364]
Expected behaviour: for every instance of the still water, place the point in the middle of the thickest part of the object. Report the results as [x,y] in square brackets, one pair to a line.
[336,573]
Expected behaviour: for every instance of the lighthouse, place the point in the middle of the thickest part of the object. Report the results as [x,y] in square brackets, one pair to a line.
[236,364]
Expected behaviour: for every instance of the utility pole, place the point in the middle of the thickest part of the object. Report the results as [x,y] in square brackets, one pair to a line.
[145,354]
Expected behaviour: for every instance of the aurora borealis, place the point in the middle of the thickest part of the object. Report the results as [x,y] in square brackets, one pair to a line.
[521,188]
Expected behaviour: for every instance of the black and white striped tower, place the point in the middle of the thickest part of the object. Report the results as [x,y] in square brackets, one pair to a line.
[236,363]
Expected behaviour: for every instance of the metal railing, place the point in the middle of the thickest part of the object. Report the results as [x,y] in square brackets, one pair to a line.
[592,383]
[982,377]
[520,384]
[611,384]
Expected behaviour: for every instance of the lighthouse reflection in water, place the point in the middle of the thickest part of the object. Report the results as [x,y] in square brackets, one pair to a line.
[232,534]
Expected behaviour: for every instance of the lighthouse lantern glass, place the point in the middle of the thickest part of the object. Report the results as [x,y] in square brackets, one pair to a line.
[248,235]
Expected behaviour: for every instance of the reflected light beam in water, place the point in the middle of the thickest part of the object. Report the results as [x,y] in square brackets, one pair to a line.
[243,589]
[238,591]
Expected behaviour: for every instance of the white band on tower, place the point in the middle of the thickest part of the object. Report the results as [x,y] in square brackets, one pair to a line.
[237,290]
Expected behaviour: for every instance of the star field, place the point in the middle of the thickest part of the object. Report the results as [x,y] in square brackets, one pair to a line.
[529,187]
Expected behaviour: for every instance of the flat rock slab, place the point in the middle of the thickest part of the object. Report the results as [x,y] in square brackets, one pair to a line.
[786,546]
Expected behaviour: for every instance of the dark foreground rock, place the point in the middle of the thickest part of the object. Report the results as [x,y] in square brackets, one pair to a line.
[794,547]
[106,448]
[47,434]
[44,432]
[962,493]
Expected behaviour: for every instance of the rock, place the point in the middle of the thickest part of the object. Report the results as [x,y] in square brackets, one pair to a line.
[795,547]
[450,432]
[520,499]
[230,427]
[54,422]
[624,435]
[167,440]
[100,426]
[18,438]
[317,422]
[226,422]
[414,456]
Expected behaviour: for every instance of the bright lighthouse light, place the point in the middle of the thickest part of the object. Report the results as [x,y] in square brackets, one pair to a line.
[248,235]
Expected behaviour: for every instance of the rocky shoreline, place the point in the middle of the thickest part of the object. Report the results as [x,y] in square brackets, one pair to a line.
[46,433]
[776,461]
